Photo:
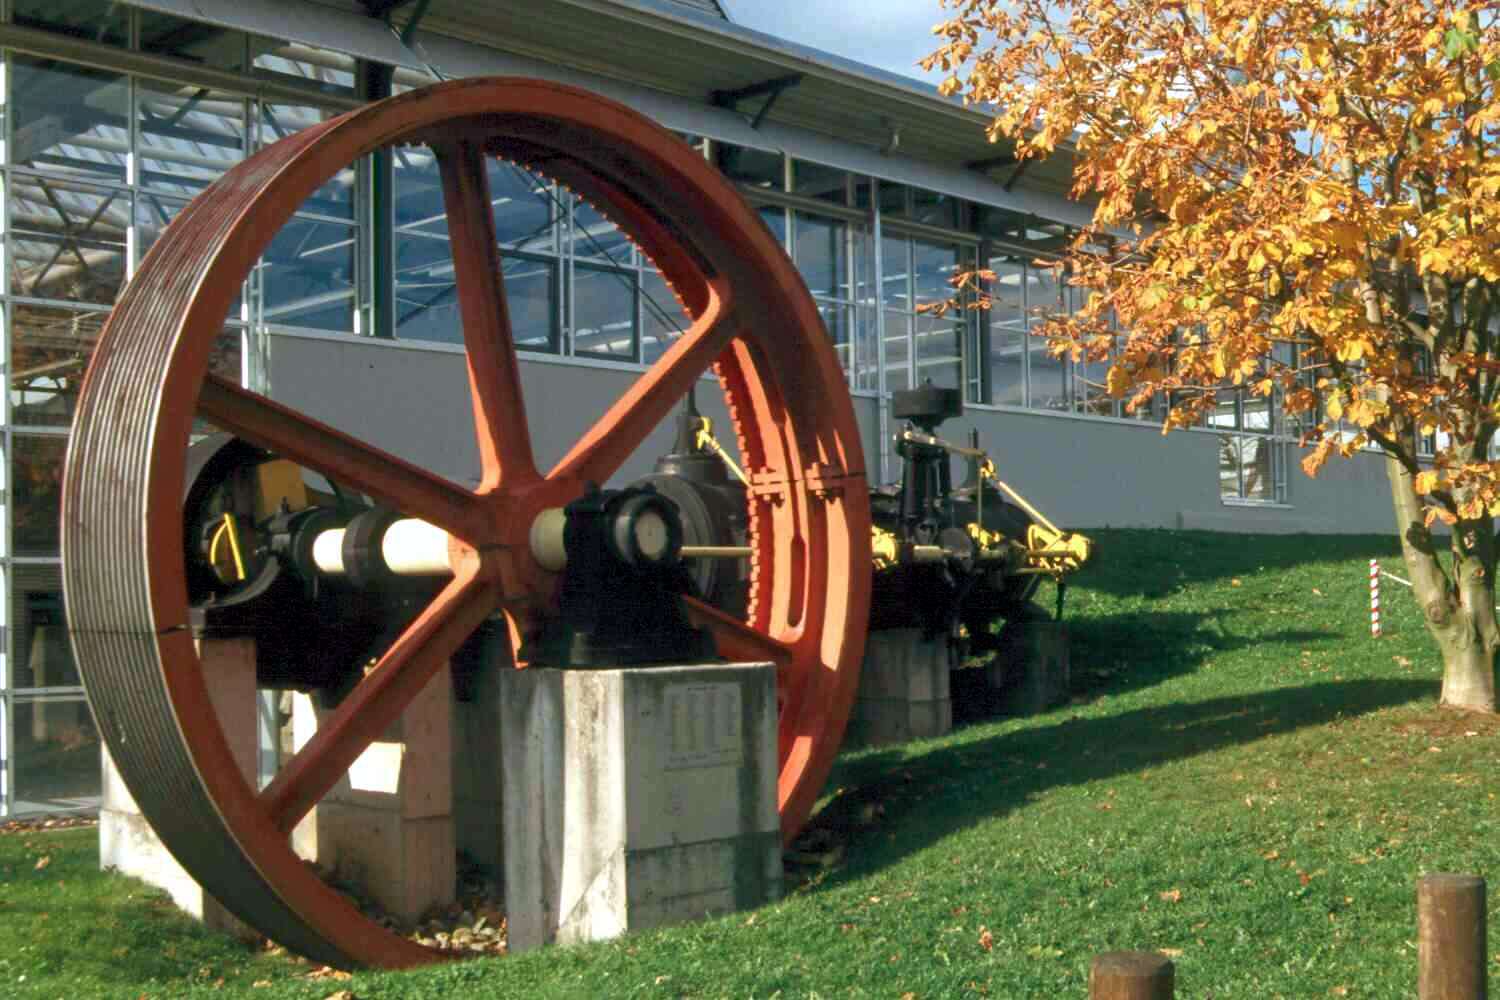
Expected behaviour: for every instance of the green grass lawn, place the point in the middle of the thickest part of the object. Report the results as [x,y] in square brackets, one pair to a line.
[1245,780]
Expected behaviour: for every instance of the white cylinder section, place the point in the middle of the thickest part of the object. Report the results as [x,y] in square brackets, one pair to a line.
[410,548]
[547,539]
[415,548]
[328,552]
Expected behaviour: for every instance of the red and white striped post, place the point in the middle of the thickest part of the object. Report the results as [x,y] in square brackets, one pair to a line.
[1375,598]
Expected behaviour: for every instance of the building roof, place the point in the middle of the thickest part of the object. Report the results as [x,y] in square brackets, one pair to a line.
[674,47]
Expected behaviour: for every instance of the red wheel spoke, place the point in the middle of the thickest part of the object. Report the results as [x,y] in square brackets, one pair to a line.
[606,445]
[351,462]
[736,640]
[494,376]
[379,699]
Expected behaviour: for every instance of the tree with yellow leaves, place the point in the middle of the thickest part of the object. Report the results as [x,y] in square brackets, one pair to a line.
[1298,200]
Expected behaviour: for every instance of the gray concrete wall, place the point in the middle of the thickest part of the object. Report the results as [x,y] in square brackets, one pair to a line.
[1082,472]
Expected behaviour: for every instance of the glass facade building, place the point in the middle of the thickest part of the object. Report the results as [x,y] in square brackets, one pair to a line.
[100,155]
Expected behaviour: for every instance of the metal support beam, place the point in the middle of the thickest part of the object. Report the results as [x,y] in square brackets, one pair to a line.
[1015,174]
[990,162]
[769,89]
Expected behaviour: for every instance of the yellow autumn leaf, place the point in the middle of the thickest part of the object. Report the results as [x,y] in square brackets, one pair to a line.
[1221,368]
[1117,381]
[1335,407]
[1426,482]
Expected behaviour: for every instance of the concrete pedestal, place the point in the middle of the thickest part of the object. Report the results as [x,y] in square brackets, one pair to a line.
[386,828]
[126,841]
[636,797]
[1031,669]
[903,690]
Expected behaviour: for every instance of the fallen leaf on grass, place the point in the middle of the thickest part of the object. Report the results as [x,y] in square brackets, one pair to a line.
[1171,895]
[986,939]
[1338,991]
[43,862]
[1170,952]
[260,984]
[328,972]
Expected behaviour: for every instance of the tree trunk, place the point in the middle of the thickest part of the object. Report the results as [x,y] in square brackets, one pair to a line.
[1459,610]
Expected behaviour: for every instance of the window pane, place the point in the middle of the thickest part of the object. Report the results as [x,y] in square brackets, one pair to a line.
[69,119]
[187,136]
[934,209]
[43,656]
[525,207]
[865,372]
[277,121]
[57,754]
[1230,458]
[892,198]
[933,264]
[36,488]
[50,348]
[604,312]
[103,21]
[897,351]
[895,273]
[1090,394]
[813,180]
[307,276]
[775,220]
[820,253]
[531,295]
[596,236]
[68,240]
[305,64]
[754,167]
[194,41]
[662,317]
[425,305]
[1007,332]
[939,344]
[1048,391]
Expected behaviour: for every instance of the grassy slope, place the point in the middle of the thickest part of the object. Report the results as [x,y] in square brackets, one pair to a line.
[1246,779]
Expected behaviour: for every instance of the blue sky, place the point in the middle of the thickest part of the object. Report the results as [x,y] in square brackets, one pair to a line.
[891,34]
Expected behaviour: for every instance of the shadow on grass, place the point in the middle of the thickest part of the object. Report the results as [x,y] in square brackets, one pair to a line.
[1153,562]
[925,797]
[1118,653]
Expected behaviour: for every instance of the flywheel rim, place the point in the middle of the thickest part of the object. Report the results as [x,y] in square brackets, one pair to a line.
[122,541]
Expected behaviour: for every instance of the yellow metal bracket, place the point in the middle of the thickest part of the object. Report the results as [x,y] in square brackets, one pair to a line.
[1056,552]
[227,530]
[705,439]
[884,547]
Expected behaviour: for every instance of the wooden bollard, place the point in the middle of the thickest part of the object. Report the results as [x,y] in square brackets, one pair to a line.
[1131,975]
[1451,937]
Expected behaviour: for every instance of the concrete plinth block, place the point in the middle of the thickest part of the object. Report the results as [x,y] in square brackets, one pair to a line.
[126,841]
[1031,669]
[636,797]
[387,827]
[903,690]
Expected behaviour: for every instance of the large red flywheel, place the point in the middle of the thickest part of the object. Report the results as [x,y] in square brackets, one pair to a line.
[123,552]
